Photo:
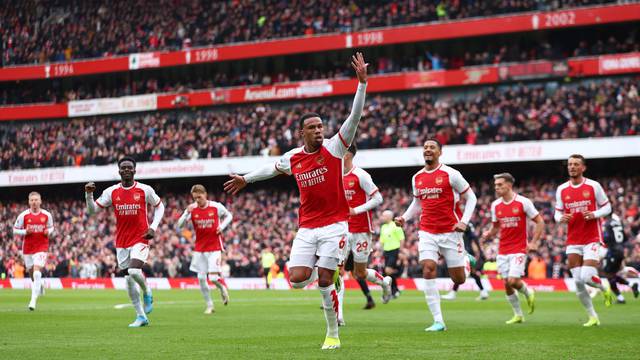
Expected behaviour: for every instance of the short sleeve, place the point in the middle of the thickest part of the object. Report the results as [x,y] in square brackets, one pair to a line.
[49,220]
[458,183]
[559,204]
[19,224]
[151,197]
[337,146]
[283,164]
[494,218]
[414,191]
[104,200]
[222,211]
[529,208]
[366,182]
[601,196]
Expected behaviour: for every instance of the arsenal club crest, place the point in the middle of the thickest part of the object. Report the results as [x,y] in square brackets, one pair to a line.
[320,160]
[439,180]
[585,194]
[210,214]
[351,183]
[43,219]
[136,197]
[515,210]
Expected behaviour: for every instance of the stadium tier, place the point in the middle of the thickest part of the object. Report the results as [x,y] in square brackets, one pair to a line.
[593,108]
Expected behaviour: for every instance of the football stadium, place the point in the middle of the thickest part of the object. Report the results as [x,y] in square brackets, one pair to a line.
[392,179]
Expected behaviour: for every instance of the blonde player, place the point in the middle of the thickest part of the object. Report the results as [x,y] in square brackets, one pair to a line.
[509,214]
[36,225]
[209,219]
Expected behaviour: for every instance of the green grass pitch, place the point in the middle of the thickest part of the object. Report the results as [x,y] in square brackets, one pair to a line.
[83,324]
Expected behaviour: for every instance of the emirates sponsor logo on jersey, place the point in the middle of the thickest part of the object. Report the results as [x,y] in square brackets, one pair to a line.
[128,209]
[312,178]
[36,228]
[509,222]
[578,206]
[204,223]
[349,194]
[430,193]
[136,197]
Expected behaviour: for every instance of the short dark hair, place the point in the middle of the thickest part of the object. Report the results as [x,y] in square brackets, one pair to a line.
[435,141]
[127,158]
[305,117]
[506,176]
[353,148]
[578,156]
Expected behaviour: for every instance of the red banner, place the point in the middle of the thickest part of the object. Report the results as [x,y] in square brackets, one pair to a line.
[384,36]
[101,283]
[624,63]
[619,63]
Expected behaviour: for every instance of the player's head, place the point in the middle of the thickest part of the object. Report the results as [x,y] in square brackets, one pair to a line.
[126,168]
[387,216]
[503,183]
[311,129]
[351,152]
[431,150]
[576,166]
[34,200]
[199,194]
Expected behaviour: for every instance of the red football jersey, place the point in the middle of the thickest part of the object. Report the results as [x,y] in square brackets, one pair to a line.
[511,217]
[575,199]
[319,179]
[130,207]
[439,192]
[39,223]
[358,188]
[206,222]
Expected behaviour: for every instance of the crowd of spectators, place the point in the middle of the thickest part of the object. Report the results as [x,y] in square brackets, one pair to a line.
[38,31]
[299,68]
[587,109]
[83,246]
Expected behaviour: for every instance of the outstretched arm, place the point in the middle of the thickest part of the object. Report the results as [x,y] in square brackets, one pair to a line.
[239,182]
[348,129]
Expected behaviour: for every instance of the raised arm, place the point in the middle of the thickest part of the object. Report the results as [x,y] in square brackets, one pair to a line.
[348,129]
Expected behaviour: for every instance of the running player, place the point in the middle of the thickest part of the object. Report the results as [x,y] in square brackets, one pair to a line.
[509,215]
[438,191]
[616,239]
[362,196]
[473,248]
[580,203]
[129,200]
[324,211]
[209,218]
[36,225]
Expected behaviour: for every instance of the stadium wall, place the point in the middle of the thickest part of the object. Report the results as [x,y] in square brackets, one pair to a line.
[444,284]
[517,151]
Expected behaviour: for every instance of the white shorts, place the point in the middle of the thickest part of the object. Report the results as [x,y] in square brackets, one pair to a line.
[588,252]
[322,247]
[360,245]
[206,262]
[38,259]
[138,251]
[511,265]
[449,245]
